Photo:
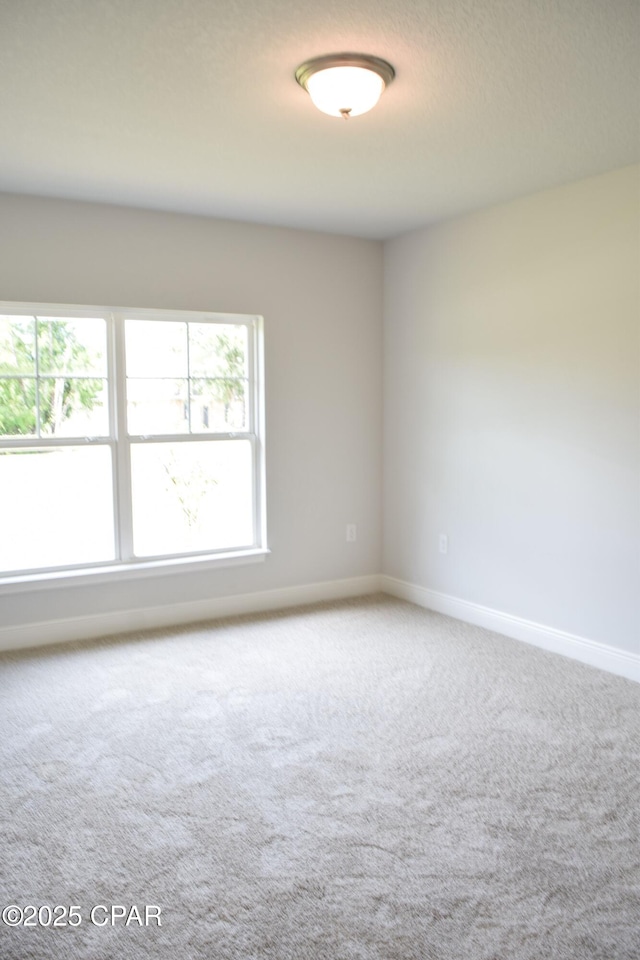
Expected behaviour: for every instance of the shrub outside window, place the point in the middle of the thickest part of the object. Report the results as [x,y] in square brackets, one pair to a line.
[127,437]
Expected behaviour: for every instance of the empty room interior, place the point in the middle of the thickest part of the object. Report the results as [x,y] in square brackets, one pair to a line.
[320,480]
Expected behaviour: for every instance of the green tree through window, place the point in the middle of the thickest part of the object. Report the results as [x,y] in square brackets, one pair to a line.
[128,436]
[59,352]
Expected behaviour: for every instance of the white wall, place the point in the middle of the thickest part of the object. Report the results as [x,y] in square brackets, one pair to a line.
[511,387]
[321,297]
[512,413]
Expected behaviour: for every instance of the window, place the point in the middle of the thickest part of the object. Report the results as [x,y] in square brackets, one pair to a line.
[128,437]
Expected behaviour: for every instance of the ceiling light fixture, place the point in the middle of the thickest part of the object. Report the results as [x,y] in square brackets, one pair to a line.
[345,84]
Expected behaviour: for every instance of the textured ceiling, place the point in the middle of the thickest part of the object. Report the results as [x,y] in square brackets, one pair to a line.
[192,105]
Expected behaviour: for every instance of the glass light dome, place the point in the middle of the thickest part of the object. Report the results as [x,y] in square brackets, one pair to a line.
[346,84]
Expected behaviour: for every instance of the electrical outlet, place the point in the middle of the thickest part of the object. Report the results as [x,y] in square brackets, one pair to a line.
[351,533]
[443,543]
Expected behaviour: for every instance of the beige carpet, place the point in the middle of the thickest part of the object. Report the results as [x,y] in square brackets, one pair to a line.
[355,781]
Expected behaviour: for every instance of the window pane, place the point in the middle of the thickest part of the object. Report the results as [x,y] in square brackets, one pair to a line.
[17,407]
[156,348]
[74,407]
[17,345]
[189,496]
[218,405]
[218,350]
[157,406]
[66,507]
[69,345]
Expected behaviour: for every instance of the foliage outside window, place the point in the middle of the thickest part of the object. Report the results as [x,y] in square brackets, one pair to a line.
[127,436]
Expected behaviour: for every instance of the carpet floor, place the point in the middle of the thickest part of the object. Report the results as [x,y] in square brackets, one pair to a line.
[363,780]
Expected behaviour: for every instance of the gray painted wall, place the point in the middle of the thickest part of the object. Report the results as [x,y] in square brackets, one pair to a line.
[512,414]
[511,372]
[321,297]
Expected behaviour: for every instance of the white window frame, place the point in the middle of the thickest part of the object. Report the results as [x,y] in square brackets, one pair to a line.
[126,565]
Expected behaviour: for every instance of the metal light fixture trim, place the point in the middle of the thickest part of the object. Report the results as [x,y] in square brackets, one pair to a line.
[345,68]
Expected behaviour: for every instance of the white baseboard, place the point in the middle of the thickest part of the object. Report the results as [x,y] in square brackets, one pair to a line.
[123,621]
[612,659]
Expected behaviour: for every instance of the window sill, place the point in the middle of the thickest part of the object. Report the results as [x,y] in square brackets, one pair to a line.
[130,571]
